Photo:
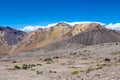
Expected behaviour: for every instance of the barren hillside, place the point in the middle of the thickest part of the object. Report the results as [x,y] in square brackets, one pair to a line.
[87,34]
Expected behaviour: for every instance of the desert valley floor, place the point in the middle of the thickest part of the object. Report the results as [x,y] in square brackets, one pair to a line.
[78,62]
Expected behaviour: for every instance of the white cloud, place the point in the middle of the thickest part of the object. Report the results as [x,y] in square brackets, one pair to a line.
[84,22]
[115,26]
[53,24]
[31,28]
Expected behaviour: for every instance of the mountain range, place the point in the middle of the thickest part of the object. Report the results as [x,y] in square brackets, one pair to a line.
[16,41]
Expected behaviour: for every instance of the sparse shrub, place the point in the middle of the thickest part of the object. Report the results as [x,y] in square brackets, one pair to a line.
[39,72]
[31,65]
[39,64]
[24,66]
[81,71]
[99,66]
[17,67]
[56,57]
[74,72]
[48,62]
[32,69]
[73,53]
[89,70]
[52,71]
[73,67]
[48,59]
[13,61]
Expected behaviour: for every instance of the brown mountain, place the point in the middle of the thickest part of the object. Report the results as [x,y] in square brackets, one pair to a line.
[87,34]
[96,35]
[9,37]
[92,34]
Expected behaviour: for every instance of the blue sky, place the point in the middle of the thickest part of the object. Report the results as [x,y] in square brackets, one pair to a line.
[21,13]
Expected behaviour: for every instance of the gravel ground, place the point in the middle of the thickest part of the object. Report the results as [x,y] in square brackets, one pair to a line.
[98,62]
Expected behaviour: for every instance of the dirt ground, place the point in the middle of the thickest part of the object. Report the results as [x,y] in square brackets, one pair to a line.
[96,62]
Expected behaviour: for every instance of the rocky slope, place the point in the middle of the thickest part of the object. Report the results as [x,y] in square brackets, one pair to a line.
[87,34]
[9,37]
[3,44]
[96,35]
[12,36]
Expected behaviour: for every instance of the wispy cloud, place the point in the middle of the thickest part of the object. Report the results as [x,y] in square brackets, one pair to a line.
[115,26]
[31,28]
[84,22]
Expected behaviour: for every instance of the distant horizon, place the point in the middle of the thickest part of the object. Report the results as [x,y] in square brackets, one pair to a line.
[29,28]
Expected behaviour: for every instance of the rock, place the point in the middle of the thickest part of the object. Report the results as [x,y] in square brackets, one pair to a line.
[107,60]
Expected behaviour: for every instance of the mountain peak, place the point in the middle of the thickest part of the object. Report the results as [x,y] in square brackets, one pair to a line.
[62,24]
